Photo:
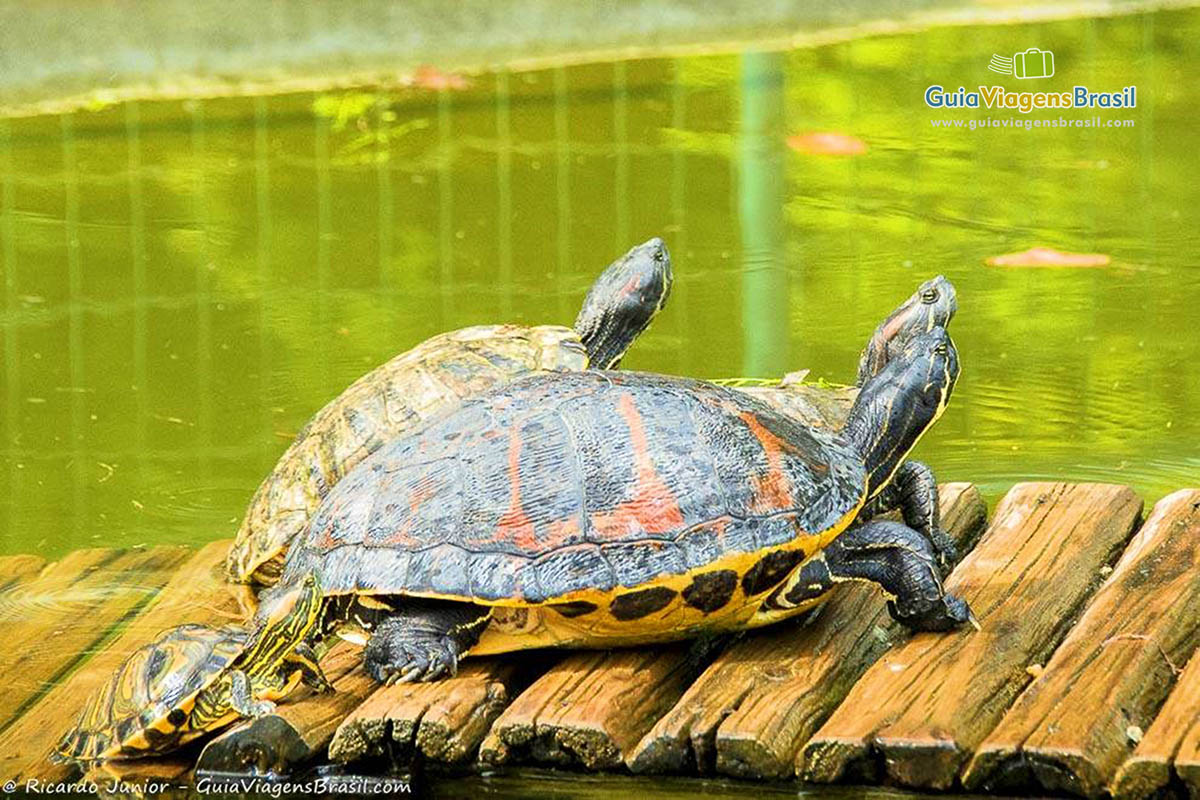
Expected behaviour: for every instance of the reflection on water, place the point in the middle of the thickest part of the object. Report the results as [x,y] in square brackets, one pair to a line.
[186,283]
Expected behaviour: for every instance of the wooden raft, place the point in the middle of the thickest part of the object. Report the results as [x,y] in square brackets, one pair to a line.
[1084,678]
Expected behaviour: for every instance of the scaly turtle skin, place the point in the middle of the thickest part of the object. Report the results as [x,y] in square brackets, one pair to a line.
[597,509]
[434,377]
[195,679]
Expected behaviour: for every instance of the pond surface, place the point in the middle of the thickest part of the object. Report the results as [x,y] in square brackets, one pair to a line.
[186,283]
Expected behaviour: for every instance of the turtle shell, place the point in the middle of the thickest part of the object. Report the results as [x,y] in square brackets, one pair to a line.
[145,706]
[433,377]
[556,488]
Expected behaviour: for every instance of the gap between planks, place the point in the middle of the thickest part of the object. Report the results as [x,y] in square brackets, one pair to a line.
[919,712]
[749,713]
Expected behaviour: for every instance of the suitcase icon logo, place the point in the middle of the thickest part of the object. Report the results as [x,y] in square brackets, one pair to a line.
[1033,63]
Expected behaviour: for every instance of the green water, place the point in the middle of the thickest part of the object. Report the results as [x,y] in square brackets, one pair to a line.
[185,283]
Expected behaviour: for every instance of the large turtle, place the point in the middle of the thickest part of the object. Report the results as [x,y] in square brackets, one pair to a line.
[194,679]
[607,508]
[432,378]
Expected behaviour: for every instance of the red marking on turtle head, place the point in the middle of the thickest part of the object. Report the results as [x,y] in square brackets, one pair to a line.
[653,507]
[772,489]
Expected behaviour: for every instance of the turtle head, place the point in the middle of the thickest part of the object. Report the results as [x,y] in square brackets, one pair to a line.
[896,406]
[623,301]
[286,615]
[933,304]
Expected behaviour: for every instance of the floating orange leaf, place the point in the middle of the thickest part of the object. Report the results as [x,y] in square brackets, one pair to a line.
[826,143]
[1047,257]
[430,77]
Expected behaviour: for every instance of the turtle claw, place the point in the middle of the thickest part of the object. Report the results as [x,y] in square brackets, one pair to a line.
[945,614]
[414,663]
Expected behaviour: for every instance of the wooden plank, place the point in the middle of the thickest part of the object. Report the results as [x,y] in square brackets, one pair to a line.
[1071,729]
[749,713]
[195,592]
[299,729]
[53,620]
[1174,738]
[443,721]
[1187,758]
[922,708]
[15,570]
[592,707]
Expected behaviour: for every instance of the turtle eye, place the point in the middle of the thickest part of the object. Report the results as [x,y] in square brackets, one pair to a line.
[658,256]
[940,349]
[929,296]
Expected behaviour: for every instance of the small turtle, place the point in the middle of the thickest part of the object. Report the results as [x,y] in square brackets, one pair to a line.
[434,377]
[599,509]
[194,679]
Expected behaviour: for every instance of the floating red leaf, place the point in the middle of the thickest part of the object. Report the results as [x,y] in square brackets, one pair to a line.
[827,143]
[430,77]
[1047,257]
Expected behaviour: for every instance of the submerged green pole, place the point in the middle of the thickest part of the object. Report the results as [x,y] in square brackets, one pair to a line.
[760,213]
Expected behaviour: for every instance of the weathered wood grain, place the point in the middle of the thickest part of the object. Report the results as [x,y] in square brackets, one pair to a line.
[300,727]
[592,707]
[924,706]
[1187,757]
[443,721]
[1175,733]
[760,700]
[1071,729]
[53,620]
[15,570]
[195,592]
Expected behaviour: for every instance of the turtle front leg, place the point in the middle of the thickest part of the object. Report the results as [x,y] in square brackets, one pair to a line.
[903,562]
[241,697]
[424,640]
[305,660]
[913,490]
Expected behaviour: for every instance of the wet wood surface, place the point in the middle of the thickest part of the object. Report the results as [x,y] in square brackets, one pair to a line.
[194,591]
[52,621]
[444,721]
[1077,723]
[299,729]
[919,711]
[1171,742]
[749,713]
[15,570]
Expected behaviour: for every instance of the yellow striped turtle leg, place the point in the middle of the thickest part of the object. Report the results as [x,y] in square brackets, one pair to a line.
[241,696]
[305,659]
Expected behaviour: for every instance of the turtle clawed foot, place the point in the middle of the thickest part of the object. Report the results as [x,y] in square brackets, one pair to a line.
[944,614]
[945,550]
[413,663]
